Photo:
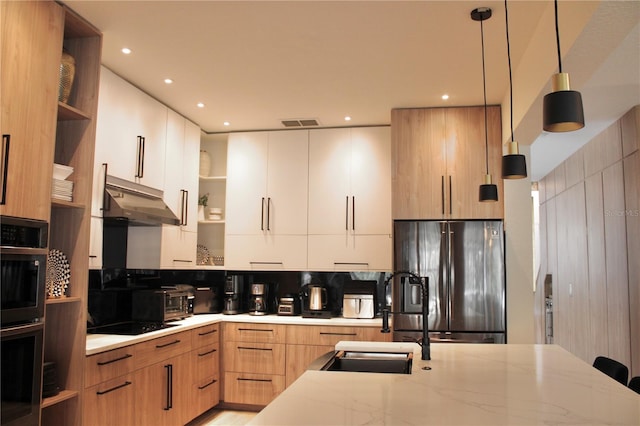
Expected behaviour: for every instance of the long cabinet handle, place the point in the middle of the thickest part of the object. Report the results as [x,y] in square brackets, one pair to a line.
[450,196]
[323,333]
[169,404]
[101,363]
[184,208]
[248,348]
[442,192]
[259,262]
[346,213]
[353,212]
[242,379]
[167,344]
[6,139]
[208,332]
[140,165]
[269,214]
[106,201]
[262,216]
[207,385]
[269,330]
[351,263]
[127,383]
[208,352]
[182,260]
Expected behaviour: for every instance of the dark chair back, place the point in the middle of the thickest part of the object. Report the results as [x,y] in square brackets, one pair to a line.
[634,384]
[612,368]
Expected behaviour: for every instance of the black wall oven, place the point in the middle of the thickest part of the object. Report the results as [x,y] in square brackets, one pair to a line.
[23,264]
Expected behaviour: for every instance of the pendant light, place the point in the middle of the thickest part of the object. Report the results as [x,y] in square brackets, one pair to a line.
[562,109]
[514,164]
[488,190]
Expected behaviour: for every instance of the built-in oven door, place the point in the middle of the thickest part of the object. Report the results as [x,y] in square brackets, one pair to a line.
[21,374]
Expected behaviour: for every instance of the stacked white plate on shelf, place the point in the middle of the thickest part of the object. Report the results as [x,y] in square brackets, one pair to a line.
[61,188]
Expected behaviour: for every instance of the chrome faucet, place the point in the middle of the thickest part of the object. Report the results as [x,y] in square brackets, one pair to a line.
[424,343]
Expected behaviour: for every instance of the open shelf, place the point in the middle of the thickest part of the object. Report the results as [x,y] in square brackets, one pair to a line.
[67,112]
[213,178]
[60,397]
[66,204]
[64,299]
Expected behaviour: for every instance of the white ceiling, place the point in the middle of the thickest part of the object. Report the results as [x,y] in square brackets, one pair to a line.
[256,63]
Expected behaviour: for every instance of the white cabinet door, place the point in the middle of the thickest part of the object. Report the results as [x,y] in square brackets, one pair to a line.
[266,252]
[350,253]
[190,182]
[246,183]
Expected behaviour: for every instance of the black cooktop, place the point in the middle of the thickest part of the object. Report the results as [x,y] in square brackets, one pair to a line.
[128,328]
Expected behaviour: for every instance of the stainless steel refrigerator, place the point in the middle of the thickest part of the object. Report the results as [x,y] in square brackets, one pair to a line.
[464,263]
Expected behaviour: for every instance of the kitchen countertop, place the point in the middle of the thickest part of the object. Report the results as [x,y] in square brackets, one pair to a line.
[468,384]
[97,343]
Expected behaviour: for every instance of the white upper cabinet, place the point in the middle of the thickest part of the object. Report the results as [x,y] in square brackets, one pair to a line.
[350,199]
[267,187]
[130,136]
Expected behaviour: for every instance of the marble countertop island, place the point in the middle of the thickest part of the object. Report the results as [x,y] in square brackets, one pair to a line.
[468,384]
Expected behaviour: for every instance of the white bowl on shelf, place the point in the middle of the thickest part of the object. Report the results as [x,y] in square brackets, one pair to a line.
[61,172]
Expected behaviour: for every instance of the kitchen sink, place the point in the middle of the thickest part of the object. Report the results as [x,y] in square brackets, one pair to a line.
[370,362]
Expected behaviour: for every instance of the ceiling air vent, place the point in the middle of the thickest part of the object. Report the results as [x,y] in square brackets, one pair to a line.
[300,122]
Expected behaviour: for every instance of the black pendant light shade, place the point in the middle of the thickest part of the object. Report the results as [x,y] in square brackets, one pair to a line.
[488,191]
[514,164]
[562,109]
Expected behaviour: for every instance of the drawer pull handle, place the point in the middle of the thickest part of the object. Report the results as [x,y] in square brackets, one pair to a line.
[241,379]
[127,383]
[207,385]
[101,363]
[255,329]
[208,353]
[208,332]
[254,349]
[337,334]
[167,344]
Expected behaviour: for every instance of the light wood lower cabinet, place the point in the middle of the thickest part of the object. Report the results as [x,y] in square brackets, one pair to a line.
[205,362]
[252,388]
[300,356]
[111,403]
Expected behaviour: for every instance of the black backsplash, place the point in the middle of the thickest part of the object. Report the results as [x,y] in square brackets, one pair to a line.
[109,298]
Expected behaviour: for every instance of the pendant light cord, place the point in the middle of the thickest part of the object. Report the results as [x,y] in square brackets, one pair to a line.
[555,3]
[484,90]
[506,17]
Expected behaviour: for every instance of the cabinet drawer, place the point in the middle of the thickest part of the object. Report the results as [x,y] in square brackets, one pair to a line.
[266,358]
[206,335]
[110,403]
[247,388]
[162,348]
[205,394]
[321,335]
[259,333]
[206,361]
[108,365]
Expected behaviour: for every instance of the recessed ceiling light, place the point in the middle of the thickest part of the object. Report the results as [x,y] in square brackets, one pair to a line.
[200,105]
[445,97]
[168,80]
[126,50]
[226,123]
[347,118]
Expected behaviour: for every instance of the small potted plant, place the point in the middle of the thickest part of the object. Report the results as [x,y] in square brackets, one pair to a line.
[203,200]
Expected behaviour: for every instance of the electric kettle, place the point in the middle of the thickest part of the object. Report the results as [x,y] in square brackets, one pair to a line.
[317,298]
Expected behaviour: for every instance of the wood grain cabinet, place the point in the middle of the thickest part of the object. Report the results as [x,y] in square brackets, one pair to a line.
[266,217]
[205,362]
[31,50]
[439,162]
[254,362]
[110,388]
[305,343]
[350,199]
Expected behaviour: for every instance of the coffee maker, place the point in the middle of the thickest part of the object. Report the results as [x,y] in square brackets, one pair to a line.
[233,295]
[259,299]
[315,301]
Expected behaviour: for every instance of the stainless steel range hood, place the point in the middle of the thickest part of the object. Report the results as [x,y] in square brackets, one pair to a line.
[139,204]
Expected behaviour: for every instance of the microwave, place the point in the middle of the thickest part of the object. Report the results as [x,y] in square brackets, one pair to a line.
[23,268]
[159,305]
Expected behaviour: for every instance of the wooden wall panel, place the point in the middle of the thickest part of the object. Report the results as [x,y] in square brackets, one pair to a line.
[632,215]
[542,191]
[630,128]
[616,260]
[597,267]
[562,297]
[550,186]
[552,257]
[574,168]
[603,150]
[560,178]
